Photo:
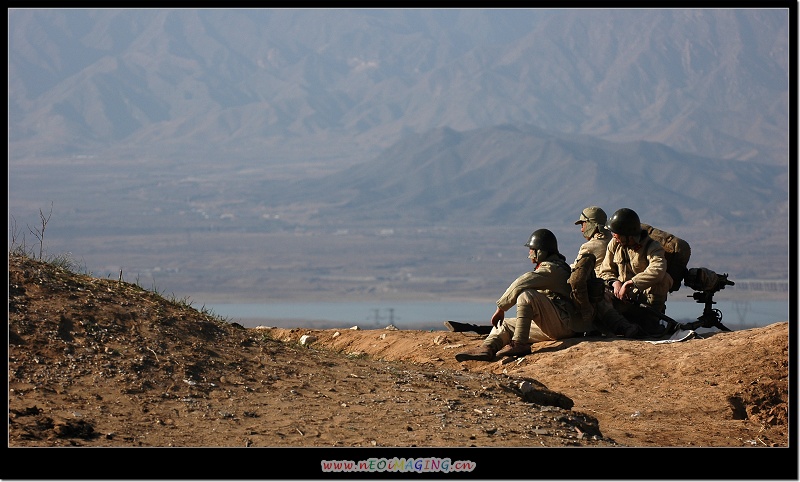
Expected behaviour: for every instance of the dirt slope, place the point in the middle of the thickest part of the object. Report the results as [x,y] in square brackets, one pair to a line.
[103,363]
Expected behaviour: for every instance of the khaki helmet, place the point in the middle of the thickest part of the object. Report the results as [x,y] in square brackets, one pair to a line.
[595,219]
[543,242]
[625,222]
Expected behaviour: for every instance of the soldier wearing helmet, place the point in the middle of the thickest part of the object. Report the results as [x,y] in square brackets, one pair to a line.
[635,266]
[590,301]
[593,227]
[542,300]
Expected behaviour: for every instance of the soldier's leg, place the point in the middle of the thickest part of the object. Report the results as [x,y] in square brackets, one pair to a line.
[654,325]
[498,337]
[610,321]
[536,308]
[536,334]
[648,322]
[519,331]
[501,335]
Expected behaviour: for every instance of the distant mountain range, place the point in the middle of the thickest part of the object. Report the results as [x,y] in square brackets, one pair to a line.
[493,176]
[340,85]
[217,149]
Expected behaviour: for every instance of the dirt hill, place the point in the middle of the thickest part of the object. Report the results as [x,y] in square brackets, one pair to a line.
[105,363]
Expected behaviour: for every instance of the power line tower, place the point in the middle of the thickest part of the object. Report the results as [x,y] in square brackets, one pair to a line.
[377,317]
[391,316]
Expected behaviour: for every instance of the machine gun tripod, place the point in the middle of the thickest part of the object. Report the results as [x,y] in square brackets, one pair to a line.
[705,283]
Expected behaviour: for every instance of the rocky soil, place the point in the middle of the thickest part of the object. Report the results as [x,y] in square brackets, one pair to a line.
[105,363]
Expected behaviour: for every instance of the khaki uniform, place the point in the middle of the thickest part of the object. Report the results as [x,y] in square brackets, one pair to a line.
[544,310]
[596,246]
[644,263]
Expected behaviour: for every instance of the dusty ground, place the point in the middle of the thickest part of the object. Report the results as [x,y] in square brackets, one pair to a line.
[102,363]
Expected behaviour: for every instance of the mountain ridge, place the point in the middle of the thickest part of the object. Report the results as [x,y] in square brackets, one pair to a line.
[450,177]
[171,143]
[181,83]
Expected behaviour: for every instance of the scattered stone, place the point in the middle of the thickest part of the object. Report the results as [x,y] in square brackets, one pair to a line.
[307,339]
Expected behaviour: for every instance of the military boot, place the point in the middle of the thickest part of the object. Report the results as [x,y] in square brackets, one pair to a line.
[610,320]
[629,330]
[481,353]
[515,348]
[652,326]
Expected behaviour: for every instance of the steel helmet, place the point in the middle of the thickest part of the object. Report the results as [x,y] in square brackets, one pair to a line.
[543,240]
[595,219]
[625,222]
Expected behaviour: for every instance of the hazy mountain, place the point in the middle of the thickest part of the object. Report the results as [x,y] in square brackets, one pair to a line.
[283,85]
[491,176]
[245,153]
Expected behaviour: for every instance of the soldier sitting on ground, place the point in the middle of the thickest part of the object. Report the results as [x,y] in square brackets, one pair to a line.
[598,310]
[635,267]
[542,298]
[588,292]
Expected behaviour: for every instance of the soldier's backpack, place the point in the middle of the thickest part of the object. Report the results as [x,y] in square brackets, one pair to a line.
[677,252]
[587,288]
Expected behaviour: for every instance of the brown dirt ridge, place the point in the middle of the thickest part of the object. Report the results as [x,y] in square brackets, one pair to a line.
[101,363]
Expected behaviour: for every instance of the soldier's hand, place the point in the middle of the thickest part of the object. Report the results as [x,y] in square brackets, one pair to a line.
[618,290]
[497,317]
[626,290]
